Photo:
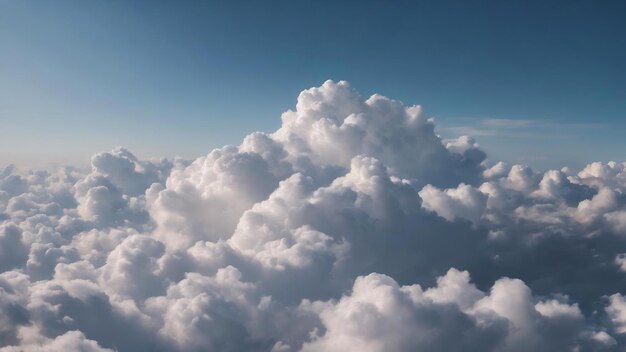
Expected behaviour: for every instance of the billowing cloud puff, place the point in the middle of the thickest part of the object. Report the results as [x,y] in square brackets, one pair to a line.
[70,341]
[380,315]
[333,123]
[353,227]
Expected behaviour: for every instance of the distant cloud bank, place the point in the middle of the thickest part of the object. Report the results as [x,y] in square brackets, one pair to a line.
[353,227]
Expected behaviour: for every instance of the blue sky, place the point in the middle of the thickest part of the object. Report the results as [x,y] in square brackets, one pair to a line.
[541,83]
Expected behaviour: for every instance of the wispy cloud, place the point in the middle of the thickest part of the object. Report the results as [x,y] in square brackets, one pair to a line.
[516,127]
[470,131]
[507,123]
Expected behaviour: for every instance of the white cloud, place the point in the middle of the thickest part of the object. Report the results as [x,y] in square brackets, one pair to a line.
[617,312]
[70,341]
[313,237]
[380,315]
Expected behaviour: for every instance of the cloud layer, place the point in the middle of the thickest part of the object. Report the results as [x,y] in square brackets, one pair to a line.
[353,227]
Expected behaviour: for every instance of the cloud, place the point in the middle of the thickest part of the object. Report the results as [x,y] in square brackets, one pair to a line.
[70,341]
[353,227]
[380,315]
[507,123]
[522,129]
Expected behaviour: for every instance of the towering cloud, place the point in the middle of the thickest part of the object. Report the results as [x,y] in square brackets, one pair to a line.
[353,227]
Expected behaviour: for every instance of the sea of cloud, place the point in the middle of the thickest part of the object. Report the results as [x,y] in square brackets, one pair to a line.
[353,227]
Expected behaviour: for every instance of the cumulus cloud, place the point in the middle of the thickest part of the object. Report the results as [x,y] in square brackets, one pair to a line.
[380,315]
[353,227]
[70,341]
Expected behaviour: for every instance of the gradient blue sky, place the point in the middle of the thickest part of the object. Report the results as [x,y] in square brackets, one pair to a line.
[537,82]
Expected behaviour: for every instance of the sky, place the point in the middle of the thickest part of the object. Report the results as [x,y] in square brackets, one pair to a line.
[534,82]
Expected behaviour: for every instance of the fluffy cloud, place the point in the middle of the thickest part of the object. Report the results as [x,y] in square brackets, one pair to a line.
[353,227]
[70,341]
[380,315]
